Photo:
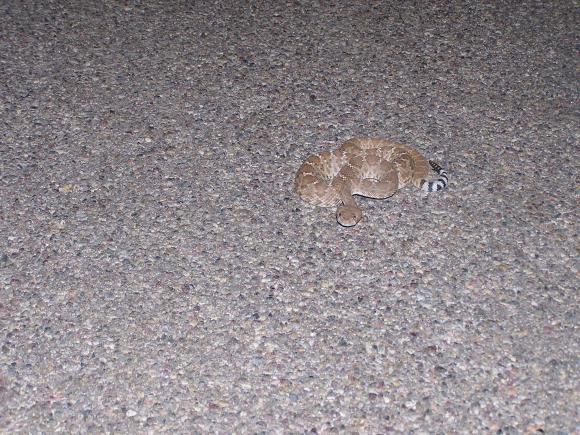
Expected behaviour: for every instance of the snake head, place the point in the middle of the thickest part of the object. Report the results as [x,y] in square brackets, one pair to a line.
[348,216]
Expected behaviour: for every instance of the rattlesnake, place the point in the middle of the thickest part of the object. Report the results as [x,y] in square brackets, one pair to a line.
[375,168]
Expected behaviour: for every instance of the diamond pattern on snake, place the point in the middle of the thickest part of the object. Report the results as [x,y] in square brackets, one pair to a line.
[375,168]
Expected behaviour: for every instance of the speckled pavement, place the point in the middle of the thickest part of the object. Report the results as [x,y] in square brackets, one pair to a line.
[158,273]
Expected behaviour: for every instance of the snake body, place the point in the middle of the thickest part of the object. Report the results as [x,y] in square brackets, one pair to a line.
[375,168]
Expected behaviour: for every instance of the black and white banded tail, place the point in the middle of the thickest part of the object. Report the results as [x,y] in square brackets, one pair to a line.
[440,183]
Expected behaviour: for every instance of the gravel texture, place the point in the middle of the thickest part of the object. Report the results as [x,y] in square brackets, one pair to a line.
[158,273]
